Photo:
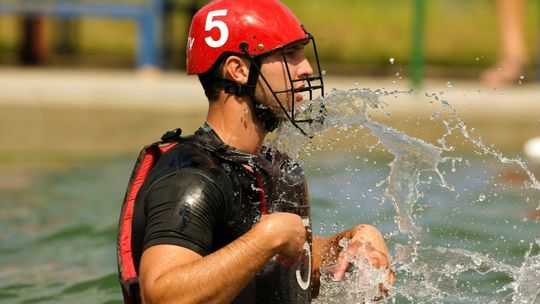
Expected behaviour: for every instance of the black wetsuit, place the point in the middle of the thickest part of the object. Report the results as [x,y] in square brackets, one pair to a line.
[200,196]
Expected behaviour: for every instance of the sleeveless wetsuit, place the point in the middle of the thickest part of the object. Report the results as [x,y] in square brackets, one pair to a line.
[200,196]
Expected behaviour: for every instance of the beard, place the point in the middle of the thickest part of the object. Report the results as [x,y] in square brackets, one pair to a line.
[268,100]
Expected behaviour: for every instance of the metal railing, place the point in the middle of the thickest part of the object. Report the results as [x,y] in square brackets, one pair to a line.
[148,14]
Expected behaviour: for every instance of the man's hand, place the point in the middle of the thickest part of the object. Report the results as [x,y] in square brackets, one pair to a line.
[286,231]
[365,241]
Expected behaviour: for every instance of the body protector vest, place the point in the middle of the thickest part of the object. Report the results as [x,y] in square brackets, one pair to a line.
[274,183]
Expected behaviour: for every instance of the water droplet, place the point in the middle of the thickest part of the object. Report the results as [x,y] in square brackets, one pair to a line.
[482,197]
[323,72]
[392,60]
[449,84]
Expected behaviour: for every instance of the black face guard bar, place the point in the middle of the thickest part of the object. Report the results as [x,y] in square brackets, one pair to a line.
[311,83]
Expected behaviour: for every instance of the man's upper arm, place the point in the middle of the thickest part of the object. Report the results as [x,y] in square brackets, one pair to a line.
[184,209]
[160,259]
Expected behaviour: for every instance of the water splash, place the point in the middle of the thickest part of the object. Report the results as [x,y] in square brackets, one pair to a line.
[526,284]
[426,274]
[435,273]
[455,123]
[412,156]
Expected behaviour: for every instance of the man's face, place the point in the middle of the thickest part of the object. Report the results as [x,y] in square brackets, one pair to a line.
[274,69]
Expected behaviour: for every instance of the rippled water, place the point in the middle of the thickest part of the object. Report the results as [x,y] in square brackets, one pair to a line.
[58,233]
[461,228]
[464,229]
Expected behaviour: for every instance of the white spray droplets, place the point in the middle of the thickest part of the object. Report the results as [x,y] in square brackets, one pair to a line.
[415,164]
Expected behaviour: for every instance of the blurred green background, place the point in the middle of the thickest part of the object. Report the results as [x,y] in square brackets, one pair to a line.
[354,36]
[458,34]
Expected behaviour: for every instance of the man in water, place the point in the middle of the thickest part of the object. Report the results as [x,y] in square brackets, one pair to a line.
[221,218]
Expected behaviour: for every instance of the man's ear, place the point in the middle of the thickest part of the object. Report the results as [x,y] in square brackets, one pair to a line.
[236,69]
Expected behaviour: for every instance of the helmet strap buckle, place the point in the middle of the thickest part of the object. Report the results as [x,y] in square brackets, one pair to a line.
[238,89]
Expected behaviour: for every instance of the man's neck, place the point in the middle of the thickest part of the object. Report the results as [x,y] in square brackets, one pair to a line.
[233,120]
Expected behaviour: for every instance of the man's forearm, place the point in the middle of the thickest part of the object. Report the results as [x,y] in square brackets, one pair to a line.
[174,274]
[216,278]
[323,253]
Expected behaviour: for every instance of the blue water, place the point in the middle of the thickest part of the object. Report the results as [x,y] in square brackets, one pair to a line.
[59,222]
[485,215]
[58,232]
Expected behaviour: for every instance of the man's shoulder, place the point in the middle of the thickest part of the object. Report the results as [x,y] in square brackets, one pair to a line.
[188,156]
[188,168]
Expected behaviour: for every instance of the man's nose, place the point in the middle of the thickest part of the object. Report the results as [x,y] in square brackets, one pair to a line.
[304,69]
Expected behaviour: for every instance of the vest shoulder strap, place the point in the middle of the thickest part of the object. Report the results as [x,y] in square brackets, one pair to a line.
[147,159]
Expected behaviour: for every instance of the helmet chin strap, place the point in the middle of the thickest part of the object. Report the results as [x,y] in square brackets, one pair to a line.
[263,113]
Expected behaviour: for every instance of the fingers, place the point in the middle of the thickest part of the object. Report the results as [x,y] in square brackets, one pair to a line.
[368,241]
[366,247]
[342,265]
[286,233]
[391,277]
[379,259]
[376,257]
[285,261]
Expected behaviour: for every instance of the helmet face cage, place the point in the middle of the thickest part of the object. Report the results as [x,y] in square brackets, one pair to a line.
[311,83]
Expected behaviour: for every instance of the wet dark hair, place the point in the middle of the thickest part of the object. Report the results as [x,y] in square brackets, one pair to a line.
[211,80]
[208,80]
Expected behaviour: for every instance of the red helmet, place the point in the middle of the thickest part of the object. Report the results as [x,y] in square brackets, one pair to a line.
[254,27]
